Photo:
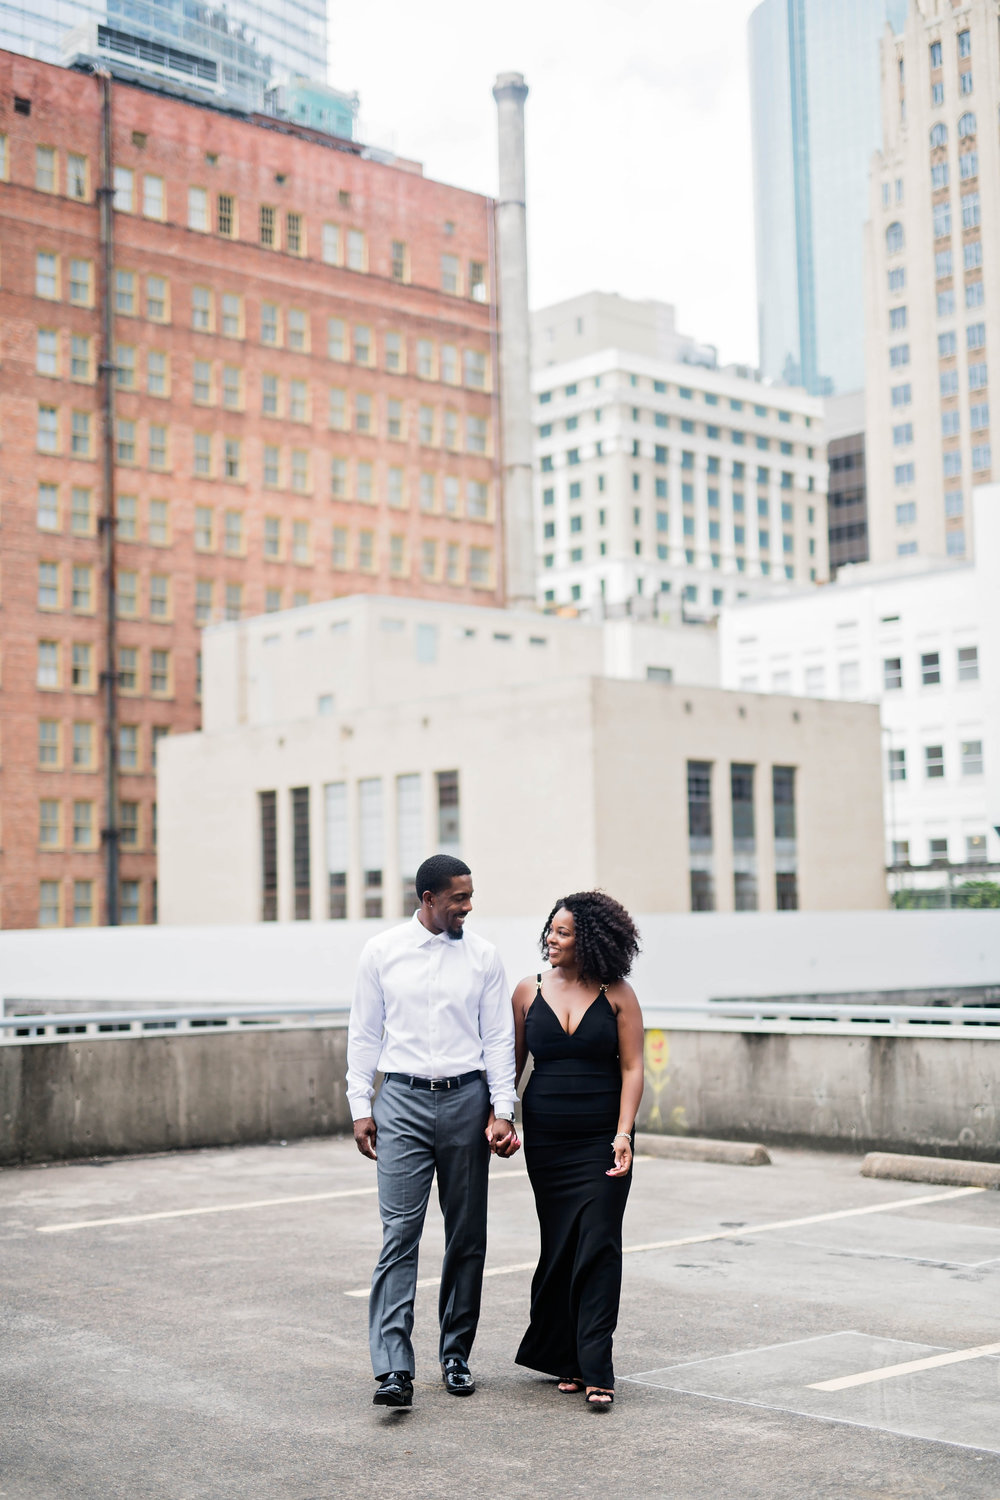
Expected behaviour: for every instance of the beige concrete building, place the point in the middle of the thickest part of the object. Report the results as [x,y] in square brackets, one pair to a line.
[675,797]
[370,650]
[932,311]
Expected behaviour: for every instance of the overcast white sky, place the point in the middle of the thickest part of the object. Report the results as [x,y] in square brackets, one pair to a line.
[638,136]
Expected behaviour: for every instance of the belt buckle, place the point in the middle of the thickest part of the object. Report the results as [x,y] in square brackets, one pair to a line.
[438,1084]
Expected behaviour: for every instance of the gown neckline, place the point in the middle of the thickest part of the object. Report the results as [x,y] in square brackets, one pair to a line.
[539,996]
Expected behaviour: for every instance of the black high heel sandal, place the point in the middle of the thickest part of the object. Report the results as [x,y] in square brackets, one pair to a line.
[593,1399]
[575,1381]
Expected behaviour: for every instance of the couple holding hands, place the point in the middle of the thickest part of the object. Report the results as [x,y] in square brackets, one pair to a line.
[431,1011]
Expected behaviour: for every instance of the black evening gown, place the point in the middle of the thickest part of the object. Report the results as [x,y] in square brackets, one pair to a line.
[570,1110]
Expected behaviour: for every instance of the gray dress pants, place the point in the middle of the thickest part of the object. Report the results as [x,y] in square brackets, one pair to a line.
[420,1132]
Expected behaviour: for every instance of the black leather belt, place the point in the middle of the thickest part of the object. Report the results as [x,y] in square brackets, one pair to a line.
[433,1084]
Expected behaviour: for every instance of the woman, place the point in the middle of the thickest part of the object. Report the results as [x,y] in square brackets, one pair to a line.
[582,1025]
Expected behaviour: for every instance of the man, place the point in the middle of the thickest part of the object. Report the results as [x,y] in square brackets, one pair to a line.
[431,1010]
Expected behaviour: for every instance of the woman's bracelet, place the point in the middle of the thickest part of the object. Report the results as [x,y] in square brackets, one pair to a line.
[619,1135]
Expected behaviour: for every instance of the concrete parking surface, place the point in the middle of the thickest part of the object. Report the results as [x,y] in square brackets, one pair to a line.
[194,1325]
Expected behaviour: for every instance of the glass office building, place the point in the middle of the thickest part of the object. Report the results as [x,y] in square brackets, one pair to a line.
[816,119]
[234,49]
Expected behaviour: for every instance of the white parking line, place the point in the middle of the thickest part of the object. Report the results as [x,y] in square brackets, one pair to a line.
[731,1234]
[216,1208]
[229,1208]
[889,1372]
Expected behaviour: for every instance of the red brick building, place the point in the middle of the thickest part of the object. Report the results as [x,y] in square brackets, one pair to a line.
[301,404]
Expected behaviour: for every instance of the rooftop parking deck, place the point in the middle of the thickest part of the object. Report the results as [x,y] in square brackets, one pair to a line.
[194,1325]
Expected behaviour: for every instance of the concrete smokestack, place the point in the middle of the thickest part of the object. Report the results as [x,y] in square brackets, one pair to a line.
[510,92]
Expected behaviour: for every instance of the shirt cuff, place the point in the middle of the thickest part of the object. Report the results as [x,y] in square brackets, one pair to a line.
[361,1106]
[504,1105]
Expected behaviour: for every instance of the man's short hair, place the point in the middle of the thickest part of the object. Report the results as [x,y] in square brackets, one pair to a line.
[437,873]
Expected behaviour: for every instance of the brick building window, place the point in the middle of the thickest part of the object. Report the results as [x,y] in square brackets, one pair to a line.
[82,666]
[480,567]
[336,339]
[81,280]
[128,823]
[450,274]
[198,209]
[125,293]
[398,566]
[428,558]
[298,329]
[153,198]
[331,244]
[338,478]
[357,250]
[399,261]
[201,308]
[49,903]
[395,353]
[159,673]
[157,373]
[233,458]
[46,169]
[272,466]
[295,239]
[124,184]
[232,315]
[203,590]
[47,275]
[203,454]
[225,215]
[47,437]
[232,541]
[83,747]
[268,220]
[477,281]
[300,471]
[301,543]
[82,595]
[48,585]
[157,305]
[234,601]
[298,401]
[49,747]
[339,555]
[270,324]
[159,596]
[203,528]
[232,388]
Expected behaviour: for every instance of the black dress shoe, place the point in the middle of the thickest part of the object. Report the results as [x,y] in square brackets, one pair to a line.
[396,1389]
[457,1376]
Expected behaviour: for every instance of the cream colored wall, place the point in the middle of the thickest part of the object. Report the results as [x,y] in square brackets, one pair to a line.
[563,786]
[644,740]
[527,819]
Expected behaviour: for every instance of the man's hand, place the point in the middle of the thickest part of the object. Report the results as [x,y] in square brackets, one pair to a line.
[364,1137]
[502,1137]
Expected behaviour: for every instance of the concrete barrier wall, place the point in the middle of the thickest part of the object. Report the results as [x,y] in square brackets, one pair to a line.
[856,1093]
[60,1100]
[96,1098]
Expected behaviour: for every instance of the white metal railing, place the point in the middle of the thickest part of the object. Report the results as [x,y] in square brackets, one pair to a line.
[791,1017]
[197,1020]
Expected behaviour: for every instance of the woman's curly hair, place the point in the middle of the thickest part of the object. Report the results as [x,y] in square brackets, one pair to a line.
[607,942]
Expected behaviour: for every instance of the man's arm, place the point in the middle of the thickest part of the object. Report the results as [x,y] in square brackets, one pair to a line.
[364,1044]
[496,1028]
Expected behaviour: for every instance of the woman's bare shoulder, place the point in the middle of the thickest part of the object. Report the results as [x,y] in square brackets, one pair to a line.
[623,997]
[524,991]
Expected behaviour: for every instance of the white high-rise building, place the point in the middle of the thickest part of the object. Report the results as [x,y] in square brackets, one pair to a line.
[932,304]
[922,639]
[663,484]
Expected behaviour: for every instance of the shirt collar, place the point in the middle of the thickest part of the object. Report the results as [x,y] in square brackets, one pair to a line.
[421,935]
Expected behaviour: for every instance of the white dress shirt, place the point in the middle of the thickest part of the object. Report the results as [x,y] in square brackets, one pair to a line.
[430,1006]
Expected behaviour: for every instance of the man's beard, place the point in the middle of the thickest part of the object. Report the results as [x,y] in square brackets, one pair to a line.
[455,935]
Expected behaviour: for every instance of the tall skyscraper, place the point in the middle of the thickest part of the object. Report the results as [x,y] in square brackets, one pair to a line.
[933,311]
[814,87]
[233,49]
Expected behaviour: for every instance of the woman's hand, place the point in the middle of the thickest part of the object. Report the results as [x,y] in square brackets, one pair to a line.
[623,1157]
